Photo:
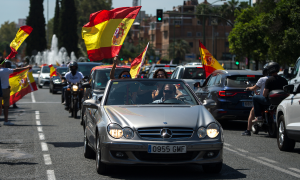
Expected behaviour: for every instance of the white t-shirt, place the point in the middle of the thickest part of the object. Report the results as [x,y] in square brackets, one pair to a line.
[74,79]
[4,76]
[261,83]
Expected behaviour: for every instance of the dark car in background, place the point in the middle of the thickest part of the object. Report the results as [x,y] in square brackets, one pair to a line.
[167,67]
[56,81]
[86,67]
[227,89]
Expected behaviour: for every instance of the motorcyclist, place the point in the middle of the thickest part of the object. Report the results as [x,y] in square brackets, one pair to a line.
[259,85]
[274,82]
[72,77]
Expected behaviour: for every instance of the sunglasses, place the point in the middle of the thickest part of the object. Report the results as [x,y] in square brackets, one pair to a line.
[168,91]
[160,75]
[126,76]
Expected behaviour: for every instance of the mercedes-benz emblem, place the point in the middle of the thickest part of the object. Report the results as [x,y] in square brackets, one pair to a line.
[166,133]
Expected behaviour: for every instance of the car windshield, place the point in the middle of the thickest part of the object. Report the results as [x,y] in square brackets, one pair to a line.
[166,68]
[85,69]
[62,70]
[242,81]
[35,70]
[194,73]
[102,77]
[46,69]
[139,92]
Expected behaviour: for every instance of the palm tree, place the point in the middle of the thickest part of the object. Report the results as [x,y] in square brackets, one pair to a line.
[243,5]
[181,47]
[232,6]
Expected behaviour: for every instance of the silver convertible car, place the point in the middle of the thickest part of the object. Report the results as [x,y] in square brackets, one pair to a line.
[127,125]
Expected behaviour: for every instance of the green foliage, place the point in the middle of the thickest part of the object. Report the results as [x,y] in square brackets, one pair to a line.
[50,31]
[67,33]
[56,18]
[37,39]
[8,32]
[179,48]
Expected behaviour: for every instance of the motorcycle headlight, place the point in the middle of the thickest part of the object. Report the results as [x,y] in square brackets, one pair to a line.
[128,133]
[201,132]
[115,131]
[213,130]
[75,88]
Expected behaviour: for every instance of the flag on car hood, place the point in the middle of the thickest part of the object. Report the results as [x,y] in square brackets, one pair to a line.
[137,63]
[21,35]
[52,71]
[210,64]
[105,33]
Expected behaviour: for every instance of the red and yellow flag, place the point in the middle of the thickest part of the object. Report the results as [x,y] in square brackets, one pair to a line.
[22,34]
[21,83]
[105,33]
[209,63]
[137,63]
[52,71]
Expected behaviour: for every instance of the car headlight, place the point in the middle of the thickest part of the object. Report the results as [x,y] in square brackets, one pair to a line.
[115,131]
[213,130]
[75,88]
[201,132]
[128,133]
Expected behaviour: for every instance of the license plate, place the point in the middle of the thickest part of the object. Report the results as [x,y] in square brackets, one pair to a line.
[248,104]
[166,149]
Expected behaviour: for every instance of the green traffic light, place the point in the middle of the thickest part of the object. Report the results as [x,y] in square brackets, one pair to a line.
[237,63]
[150,60]
[121,59]
[159,18]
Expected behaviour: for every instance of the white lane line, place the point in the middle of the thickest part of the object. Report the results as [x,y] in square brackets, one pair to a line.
[50,174]
[37,116]
[227,144]
[294,169]
[32,97]
[242,150]
[265,163]
[266,159]
[41,136]
[40,129]
[37,112]
[47,159]
[38,123]
[44,146]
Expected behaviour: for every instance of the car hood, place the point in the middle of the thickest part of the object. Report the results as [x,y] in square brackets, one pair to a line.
[45,74]
[159,116]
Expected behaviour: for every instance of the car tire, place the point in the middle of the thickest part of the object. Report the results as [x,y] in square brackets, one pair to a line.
[50,90]
[101,168]
[212,168]
[54,92]
[255,129]
[87,150]
[283,141]
[40,86]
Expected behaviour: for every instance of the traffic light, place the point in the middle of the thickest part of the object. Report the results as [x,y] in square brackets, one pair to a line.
[150,61]
[159,15]
[121,59]
[237,63]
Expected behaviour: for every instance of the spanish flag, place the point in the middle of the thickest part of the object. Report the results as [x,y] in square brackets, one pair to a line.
[22,34]
[209,63]
[52,71]
[105,33]
[137,63]
[21,83]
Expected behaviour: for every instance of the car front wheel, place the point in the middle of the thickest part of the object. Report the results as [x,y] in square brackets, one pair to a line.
[212,168]
[283,141]
[101,168]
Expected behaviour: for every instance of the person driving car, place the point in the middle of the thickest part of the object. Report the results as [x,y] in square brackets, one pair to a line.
[169,92]
[72,77]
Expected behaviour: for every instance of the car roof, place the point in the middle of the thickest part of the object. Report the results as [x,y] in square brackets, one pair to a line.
[191,66]
[237,72]
[108,67]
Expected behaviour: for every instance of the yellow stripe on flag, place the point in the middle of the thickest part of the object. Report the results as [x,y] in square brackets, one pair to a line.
[137,63]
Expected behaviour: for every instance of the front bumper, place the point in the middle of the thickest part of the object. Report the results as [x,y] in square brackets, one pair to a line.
[136,153]
[57,87]
[44,82]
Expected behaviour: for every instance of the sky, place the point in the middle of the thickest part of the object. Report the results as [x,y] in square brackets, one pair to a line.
[12,10]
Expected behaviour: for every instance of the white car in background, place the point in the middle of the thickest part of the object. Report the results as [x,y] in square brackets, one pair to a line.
[288,121]
[35,73]
[44,77]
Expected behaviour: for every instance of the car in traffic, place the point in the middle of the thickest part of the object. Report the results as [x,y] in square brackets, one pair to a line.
[287,119]
[56,81]
[35,73]
[44,76]
[169,67]
[123,128]
[227,89]
[86,67]
[191,74]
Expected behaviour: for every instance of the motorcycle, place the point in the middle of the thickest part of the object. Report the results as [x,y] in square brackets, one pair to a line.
[75,99]
[269,114]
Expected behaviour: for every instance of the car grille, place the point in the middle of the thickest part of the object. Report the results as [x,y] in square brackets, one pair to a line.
[145,156]
[155,133]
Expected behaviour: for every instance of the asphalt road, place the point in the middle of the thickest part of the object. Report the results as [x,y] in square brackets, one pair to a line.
[46,143]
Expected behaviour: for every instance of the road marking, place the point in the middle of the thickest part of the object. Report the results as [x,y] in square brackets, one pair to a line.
[44,146]
[265,163]
[42,136]
[266,159]
[37,112]
[40,129]
[37,116]
[242,150]
[47,159]
[50,174]
[294,169]
[38,123]
[227,144]
[32,97]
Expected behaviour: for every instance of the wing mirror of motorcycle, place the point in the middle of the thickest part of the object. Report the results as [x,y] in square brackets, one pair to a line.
[86,85]
[90,103]
[209,103]
[289,89]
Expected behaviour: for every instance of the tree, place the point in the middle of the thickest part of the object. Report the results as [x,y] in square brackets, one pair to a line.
[37,39]
[179,48]
[67,34]
[50,31]
[8,32]
[203,9]
[56,18]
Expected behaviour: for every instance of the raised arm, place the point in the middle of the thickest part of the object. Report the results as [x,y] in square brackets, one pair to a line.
[112,71]
[21,69]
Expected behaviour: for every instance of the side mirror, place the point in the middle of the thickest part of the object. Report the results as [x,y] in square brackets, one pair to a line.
[197,85]
[39,72]
[90,103]
[289,89]
[86,85]
[100,97]
[286,73]
[209,103]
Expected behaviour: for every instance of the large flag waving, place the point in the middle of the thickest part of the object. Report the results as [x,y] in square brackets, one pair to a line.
[209,63]
[137,63]
[105,33]
[52,71]
[22,34]
[21,83]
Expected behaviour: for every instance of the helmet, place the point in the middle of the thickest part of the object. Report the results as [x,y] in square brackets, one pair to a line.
[273,67]
[8,64]
[265,70]
[73,70]
[73,63]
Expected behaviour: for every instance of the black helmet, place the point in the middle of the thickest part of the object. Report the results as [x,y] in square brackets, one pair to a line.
[73,64]
[273,67]
[265,70]
[7,64]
